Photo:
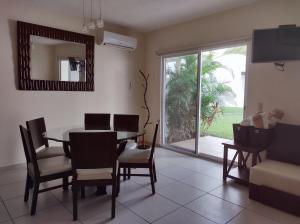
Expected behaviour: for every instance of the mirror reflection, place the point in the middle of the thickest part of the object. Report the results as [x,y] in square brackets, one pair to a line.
[59,60]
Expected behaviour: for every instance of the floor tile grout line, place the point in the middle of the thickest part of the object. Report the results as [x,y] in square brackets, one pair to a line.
[224,199]
[268,217]
[167,214]
[37,210]
[14,182]
[243,208]
[199,214]
[235,216]
[6,209]
[125,206]
[193,171]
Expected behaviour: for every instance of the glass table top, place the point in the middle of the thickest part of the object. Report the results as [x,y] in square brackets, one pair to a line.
[62,134]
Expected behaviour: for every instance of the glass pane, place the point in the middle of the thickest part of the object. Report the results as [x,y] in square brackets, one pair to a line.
[180,107]
[222,96]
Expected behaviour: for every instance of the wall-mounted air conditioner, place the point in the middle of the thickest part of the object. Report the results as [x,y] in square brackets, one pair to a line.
[119,41]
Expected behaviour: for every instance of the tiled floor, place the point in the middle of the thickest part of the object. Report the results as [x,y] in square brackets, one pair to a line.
[189,190]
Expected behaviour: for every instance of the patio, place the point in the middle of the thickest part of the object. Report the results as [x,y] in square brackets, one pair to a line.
[208,145]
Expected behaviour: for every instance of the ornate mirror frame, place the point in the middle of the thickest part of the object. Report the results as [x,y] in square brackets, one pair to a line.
[24,30]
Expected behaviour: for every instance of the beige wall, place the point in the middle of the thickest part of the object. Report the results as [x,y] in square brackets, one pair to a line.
[265,83]
[114,71]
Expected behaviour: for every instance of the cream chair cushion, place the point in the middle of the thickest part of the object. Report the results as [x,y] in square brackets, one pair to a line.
[277,175]
[95,174]
[49,152]
[52,165]
[135,156]
[131,145]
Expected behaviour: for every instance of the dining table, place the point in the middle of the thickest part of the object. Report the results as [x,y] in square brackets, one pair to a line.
[61,134]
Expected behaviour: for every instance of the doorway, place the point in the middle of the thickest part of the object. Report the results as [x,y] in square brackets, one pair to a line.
[202,96]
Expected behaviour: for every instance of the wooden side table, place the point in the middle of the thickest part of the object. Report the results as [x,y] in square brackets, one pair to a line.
[241,172]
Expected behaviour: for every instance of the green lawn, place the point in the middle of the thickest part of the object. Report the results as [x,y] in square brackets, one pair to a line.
[222,125]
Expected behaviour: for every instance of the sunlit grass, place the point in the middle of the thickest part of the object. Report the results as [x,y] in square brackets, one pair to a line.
[222,125]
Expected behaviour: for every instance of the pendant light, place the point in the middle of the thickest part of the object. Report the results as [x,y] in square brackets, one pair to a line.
[84,25]
[91,24]
[99,21]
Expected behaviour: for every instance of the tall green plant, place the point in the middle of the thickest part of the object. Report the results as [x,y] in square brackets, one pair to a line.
[181,97]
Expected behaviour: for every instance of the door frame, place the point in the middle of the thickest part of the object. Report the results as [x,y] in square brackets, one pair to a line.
[198,51]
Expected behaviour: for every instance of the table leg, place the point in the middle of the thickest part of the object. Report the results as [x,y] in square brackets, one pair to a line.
[240,159]
[254,159]
[66,149]
[225,160]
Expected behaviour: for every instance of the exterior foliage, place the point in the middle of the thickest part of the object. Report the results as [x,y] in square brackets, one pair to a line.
[181,95]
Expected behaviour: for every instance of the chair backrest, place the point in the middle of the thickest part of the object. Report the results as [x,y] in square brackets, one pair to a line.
[154,140]
[97,121]
[92,150]
[126,122]
[30,153]
[36,128]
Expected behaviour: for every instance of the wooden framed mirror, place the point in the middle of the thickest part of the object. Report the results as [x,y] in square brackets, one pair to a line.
[54,59]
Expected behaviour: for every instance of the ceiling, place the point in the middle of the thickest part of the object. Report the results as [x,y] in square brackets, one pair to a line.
[143,15]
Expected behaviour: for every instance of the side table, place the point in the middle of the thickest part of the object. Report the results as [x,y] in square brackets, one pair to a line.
[241,172]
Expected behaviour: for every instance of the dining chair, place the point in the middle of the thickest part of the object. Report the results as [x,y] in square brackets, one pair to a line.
[42,170]
[94,121]
[127,122]
[139,158]
[36,128]
[94,161]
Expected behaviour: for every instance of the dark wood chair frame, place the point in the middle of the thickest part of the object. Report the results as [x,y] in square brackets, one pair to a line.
[79,142]
[35,181]
[149,165]
[99,121]
[126,122]
[37,127]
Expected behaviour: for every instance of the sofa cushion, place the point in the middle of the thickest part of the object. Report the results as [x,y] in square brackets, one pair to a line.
[277,175]
[285,144]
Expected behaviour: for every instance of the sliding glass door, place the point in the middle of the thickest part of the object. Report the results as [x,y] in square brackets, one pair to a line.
[202,96]
[180,93]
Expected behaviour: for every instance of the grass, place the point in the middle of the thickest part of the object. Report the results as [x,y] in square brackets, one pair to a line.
[222,125]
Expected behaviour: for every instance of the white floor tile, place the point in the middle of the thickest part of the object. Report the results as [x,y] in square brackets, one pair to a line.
[17,207]
[54,215]
[180,193]
[181,216]
[202,182]
[123,216]
[214,209]
[12,190]
[234,193]
[3,213]
[152,207]
[272,213]
[176,172]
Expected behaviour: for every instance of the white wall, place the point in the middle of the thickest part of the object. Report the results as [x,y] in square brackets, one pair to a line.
[266,84]
[114,70]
